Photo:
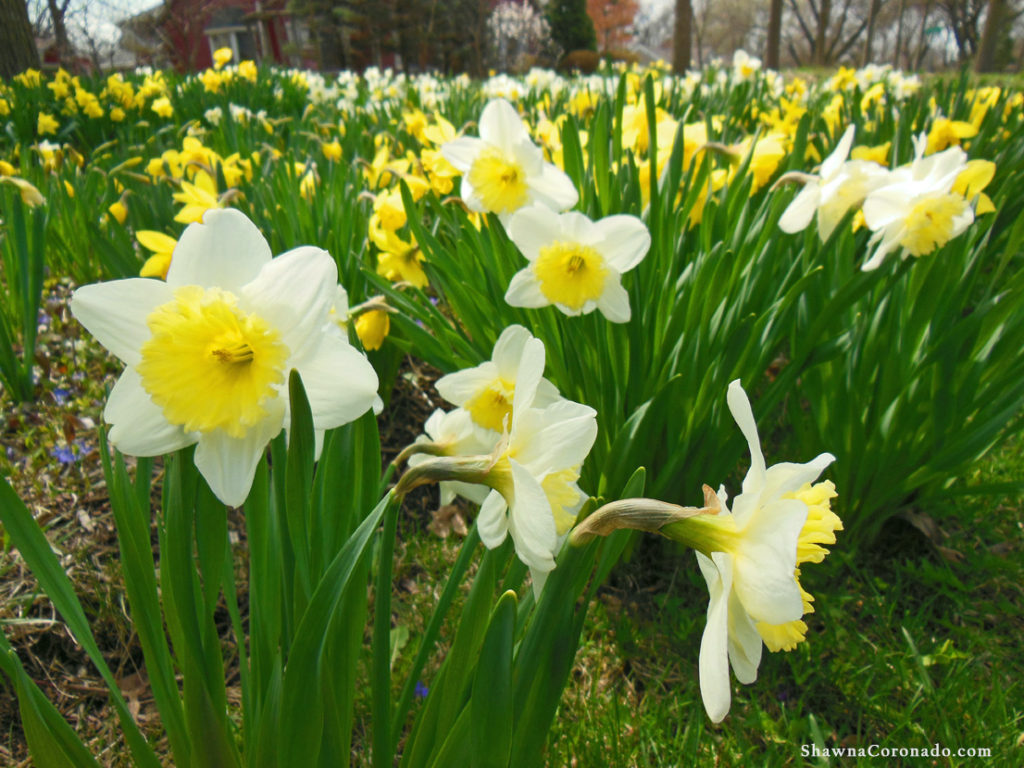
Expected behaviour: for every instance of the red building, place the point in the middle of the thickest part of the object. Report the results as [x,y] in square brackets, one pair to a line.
[185,33]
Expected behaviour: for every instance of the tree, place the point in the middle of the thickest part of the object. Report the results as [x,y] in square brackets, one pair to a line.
[613,21]
[681,44]
[771,55]
[986,60]
[570,25]
[865,58]
[17,48]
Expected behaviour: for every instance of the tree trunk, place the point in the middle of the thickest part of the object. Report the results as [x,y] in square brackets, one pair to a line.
[771,54]
[899,35]
[17,46]
[821,38]
[681,38]
[986,59]
[60,32]
[865,59]
[922,38]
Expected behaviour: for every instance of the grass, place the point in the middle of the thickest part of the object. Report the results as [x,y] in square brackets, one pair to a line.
[914,642]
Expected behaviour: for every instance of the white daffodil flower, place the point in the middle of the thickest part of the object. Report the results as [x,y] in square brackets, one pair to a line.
[917,210]
[534,474]
[532,467]
[486,392]
[208,352]
[453,434]
[503,170]
[840,186]
[575,263]
[749,559]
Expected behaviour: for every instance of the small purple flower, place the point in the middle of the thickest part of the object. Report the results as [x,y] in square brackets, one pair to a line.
[64,454]
[61,395]
[420,691]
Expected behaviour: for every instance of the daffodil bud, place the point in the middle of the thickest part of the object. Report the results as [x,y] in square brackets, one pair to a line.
[648,515]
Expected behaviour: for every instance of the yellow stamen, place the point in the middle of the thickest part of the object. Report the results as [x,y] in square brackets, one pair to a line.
[570,274]
[491,407]
[210,365]
[499,180]
[930,223]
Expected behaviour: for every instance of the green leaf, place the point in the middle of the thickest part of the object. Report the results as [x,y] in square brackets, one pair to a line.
[491,711]
[27,537]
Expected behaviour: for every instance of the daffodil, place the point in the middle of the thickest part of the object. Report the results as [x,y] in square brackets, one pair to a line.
[972,180]
[198,198]
[948,133]
[46,124]
[916,211]
[575,263]
[452,433]
[532,466]
[162,247]
[372,327]
[533,474]
[748,557]
[208,352]
[504,170]
[162,107]
[487,391]
[332,150]
[30,195]
[221,57]
[398,260]
[840,186]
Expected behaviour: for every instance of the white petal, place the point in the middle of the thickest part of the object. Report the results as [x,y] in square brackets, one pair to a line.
[492,522]
[888,240]
[462,151]
[539,579]
[524,291]
[529,373]
[229,463]
[560,437]
[834,161]
[501,125]
[531,523]
[764,568]
[225,250]
[340,383]
[508,351]
[787,477]
[714,643]
[139,427]
[745,645]
[553,188]
[622,240]
[889,204]
[295,293]
[801,210]
[460,387]
[470,197]
[534,227]
[115,313]
[739,406]
[614,302]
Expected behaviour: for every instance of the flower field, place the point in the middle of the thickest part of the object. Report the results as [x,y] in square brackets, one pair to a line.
[758,316]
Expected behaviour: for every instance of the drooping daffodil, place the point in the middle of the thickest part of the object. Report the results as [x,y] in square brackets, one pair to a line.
[208,352]
[749,555]
[839,187]
[917,210]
